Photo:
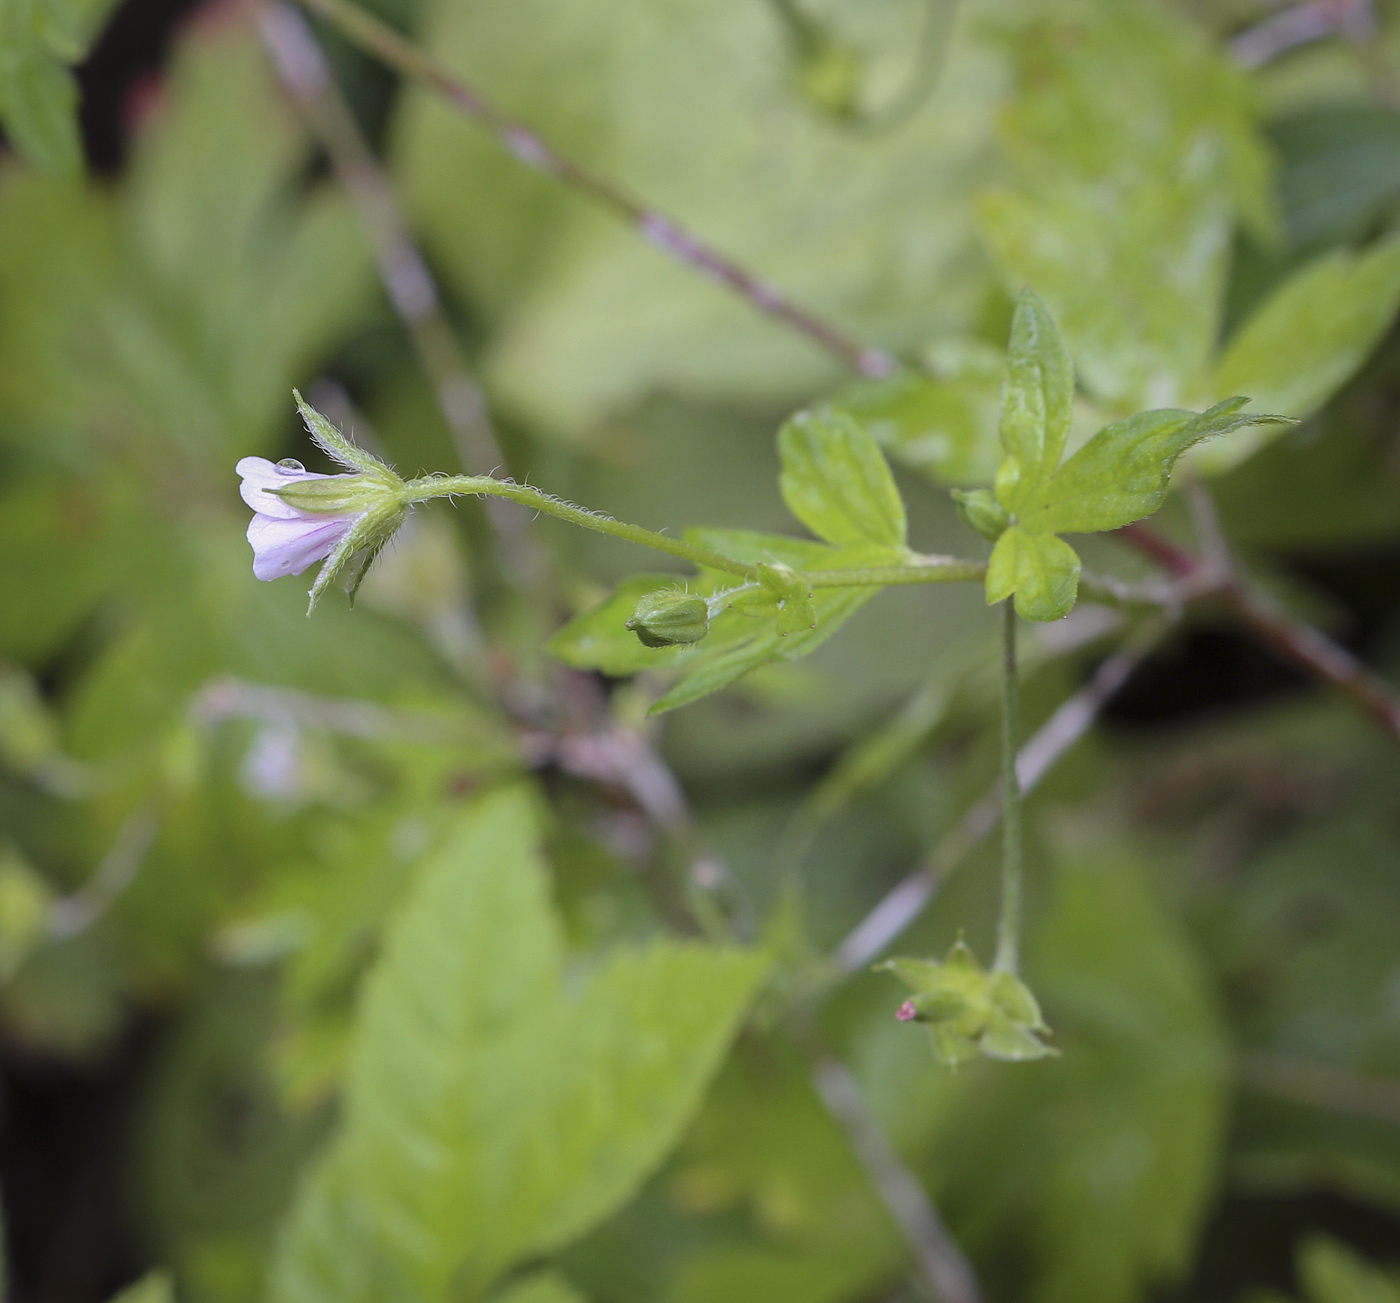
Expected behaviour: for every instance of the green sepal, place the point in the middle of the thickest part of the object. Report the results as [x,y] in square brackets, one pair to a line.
[599,638]
[336,446]
[1041,570]
[364,541]
[343,495]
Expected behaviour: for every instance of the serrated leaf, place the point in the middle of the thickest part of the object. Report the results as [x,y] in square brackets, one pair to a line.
[493,1113]
[1306,339]
[1038,404]
[835,480]
[1042,571]
[718,672]
[1122,473]
[717,669]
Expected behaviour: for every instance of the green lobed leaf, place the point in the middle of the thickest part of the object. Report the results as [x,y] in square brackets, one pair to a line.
[39,39]
[1040,569]
[493,1113]
[1306,339]
[1122,473]
[836,482]
[1038,404]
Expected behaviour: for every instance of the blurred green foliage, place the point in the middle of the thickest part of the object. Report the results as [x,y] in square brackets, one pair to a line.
[439,1014]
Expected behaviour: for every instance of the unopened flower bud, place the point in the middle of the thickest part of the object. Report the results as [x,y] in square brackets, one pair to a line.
[981,511]
[670,617]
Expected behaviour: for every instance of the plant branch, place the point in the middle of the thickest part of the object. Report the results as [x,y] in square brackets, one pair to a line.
[379,39]
[78,911]
[944,1269]
[1292,639]
[907,900]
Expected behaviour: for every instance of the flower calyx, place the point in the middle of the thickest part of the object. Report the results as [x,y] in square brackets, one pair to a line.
[969,1010]
[304,517]
[670,618]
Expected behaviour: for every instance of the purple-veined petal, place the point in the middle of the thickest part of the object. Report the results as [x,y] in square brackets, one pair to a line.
[287,547]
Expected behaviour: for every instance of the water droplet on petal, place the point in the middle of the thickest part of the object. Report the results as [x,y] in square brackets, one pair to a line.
[290,466]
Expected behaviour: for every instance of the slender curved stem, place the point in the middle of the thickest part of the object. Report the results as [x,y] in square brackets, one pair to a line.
[869,939]
[920,569]
[1012,854]
[379,39]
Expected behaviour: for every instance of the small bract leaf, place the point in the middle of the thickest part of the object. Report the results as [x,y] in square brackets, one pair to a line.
[836,481]
[1042,571]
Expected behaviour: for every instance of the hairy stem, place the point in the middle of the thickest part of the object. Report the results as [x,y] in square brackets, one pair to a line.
[920,569]
[1012,854]
[376,37]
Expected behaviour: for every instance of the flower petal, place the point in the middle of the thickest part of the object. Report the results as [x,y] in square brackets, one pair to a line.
[259,475]
[286,547]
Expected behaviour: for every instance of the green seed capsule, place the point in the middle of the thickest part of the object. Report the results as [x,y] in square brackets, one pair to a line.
[670,617]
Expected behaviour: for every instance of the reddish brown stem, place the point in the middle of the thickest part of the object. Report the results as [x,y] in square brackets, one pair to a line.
[534,151]
[1293,640]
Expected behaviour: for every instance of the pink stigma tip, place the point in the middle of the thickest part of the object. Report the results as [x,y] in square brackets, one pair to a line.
[906,1012]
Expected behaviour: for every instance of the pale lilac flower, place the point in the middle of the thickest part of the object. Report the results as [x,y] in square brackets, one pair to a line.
[286,539]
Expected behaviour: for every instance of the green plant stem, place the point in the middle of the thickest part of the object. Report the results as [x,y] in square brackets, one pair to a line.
[382,41]
[920,570]
[1012,858]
